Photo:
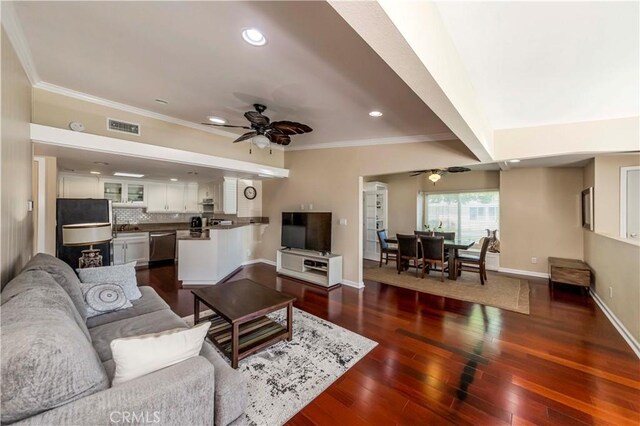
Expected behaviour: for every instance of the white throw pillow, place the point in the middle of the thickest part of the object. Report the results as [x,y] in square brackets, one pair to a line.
[123,275]
[140,355]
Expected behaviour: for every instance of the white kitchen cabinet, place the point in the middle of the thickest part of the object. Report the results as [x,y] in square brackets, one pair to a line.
[156,197]
[230,196]
[175,197]
[131,247]
[77,186]
[172,198]
[191,198]
[123,193]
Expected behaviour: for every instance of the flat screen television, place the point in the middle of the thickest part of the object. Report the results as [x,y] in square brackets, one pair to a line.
[307,231]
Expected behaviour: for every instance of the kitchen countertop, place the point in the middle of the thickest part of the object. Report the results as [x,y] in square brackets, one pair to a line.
[157,227]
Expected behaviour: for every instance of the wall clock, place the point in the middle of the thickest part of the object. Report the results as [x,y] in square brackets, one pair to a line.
[250,193]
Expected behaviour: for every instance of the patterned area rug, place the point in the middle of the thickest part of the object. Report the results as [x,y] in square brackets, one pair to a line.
[285,377]
[500,291]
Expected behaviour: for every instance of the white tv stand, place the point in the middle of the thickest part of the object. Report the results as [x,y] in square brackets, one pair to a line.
[316,268]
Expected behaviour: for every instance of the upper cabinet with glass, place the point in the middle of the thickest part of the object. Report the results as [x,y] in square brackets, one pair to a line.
[124,194]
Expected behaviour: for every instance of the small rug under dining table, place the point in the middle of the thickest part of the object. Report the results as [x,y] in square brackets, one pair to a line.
[285,377]
[499,290]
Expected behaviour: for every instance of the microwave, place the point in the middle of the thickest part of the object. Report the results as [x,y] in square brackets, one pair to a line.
[207,205]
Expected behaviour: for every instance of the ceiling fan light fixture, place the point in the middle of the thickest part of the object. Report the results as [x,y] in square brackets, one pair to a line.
[434,177]
[261,141]
[254,37]
[216,120]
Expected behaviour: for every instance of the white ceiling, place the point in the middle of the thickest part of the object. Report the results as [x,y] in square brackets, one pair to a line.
[314,69]
[537,63]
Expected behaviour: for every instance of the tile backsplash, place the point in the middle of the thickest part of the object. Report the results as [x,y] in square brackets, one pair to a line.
[135,216]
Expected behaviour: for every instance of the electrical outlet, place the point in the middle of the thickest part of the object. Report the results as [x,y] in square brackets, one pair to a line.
[534,260]
[610,292]
[301,206]
[310,206]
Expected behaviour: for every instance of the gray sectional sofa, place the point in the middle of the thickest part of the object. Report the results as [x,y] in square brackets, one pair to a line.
[57,367]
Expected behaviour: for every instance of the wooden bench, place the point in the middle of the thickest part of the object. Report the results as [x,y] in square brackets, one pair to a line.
[569,271]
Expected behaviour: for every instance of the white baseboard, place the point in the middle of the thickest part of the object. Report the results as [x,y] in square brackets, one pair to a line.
[354,284]
[253,261]
[635,345]
[525,273]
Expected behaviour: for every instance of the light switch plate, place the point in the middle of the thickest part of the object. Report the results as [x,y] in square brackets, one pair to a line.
[343,221]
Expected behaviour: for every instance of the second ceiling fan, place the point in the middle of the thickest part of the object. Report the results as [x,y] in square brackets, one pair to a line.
[434,175]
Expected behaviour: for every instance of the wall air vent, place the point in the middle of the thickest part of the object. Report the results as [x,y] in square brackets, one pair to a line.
[123,127]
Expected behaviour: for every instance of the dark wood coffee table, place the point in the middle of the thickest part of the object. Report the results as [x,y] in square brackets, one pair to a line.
[239,326]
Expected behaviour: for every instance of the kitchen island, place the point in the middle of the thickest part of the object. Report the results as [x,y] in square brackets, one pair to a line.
[207,259]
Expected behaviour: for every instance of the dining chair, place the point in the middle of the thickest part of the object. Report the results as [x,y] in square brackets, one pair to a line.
[423,233]
[473,263]
[408,251]
[446,235]
[433,254]
[386,249]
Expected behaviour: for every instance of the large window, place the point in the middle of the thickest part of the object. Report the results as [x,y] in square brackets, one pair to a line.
[469,214]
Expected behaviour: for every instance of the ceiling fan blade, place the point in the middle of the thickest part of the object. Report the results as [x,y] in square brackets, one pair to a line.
[290,127]
[246,136]
[256,118]
[226,125]
[278,138]
[457,169]
[418,172]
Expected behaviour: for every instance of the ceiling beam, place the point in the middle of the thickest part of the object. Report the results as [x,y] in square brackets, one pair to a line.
[412,39]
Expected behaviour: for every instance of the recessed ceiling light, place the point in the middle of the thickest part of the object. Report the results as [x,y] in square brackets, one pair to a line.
[173,180]
[123,174]
[217,120]
[100,163]
[514,161]
[254,37]
[94,172]
[375,114]
[161,101]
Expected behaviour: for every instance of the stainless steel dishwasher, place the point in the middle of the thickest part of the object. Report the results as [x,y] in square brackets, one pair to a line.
[162,245]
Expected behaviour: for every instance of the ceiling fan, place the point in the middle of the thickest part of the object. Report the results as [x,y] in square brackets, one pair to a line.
[264,131]
[436,174]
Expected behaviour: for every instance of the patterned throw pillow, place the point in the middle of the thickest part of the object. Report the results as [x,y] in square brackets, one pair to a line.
[103,298]
[123,275]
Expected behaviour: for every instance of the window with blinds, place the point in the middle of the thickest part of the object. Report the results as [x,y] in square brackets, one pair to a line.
[469,214]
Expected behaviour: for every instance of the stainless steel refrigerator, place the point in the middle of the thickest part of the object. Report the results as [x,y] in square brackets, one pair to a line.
[81,210]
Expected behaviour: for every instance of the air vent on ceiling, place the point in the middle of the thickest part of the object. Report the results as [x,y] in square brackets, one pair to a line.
[123,127]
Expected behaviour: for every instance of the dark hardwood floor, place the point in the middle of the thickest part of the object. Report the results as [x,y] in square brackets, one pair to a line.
[443,361]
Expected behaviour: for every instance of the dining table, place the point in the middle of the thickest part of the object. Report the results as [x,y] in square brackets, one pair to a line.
[452,246]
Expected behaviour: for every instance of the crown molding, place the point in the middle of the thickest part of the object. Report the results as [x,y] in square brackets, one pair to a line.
[376,141]
[12,26]
[128,108]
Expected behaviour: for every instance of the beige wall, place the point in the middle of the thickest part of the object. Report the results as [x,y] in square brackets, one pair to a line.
[16,221]
[329,179]
[615,262]
[606,194]
[539,216]
[55,110]
[404,189]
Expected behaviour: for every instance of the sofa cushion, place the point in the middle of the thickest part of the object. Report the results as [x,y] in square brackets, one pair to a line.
[153,322]
[63,274]
[149,302]
[46,361]
[123,275]
[51,295]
